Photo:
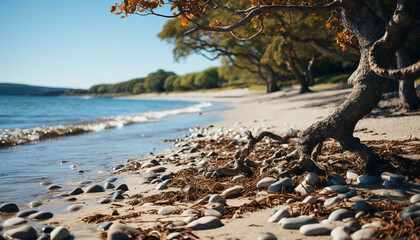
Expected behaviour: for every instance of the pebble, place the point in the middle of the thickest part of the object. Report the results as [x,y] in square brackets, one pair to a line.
[165,177]
[61,195]
[310,200]
[304,189]
[332,201]
[279,185]
[35,204]
[339,180]
[391,185]
[213,212]
[266,236]
[60,233]
[119,166]
[189,219]
[156,169]
[53,187]
[104,201]
[265,182]
[280,214]
[166,210]
[122,187]
[362,205]
[119,227]
[116,235]
[238,177]
[9,208]
[340,233]
[364,234]
[117,196]
[208,174]
[368,179]
[45,183]
[155,181]
[297,222]
[352,175]
[47,229]
[205,223]
[94,188]
[76,191]
[340,214]
[188,212]
[25,233]
[217,198]
[70,199]
[315,229]
[393,177]
[85,182]
[26,213]
[14,221]
[372,225]
[103,226]
[348,194]
[312,178]
[415,198]
[174,235]
[163,185]
[111,180]
[43,236]
[109,185]
[335,188]
[74,208]
[233,191]
[352,225]
[41,216]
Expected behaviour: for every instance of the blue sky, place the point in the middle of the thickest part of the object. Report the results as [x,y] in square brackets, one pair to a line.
[79,43]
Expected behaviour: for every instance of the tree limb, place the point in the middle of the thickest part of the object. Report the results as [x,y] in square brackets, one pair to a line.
[333,54]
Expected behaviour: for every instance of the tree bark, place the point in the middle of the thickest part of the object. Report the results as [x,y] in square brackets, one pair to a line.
[271,81]
[304,87]
[407,94]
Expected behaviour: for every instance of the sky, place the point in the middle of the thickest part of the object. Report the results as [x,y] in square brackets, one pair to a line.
[79,43]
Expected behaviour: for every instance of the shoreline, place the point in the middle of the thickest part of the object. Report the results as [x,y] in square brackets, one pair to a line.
[255,111]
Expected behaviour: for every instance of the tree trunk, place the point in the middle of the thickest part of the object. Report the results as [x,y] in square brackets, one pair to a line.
[408,98]
[304,87]
[308,71]
[271,81]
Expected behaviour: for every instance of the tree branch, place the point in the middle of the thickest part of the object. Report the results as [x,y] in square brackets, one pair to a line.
[333,54]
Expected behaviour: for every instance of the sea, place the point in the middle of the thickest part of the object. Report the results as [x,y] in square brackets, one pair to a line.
[68,140]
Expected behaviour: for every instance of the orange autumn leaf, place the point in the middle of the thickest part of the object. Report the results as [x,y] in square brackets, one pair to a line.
[185,22]
[113,9]
[216,23]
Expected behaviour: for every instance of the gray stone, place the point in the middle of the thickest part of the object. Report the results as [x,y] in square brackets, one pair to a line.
[348,194]
[360,214]
[119,166]
[391,184]
[174,235]
[352,225]
[85,182]
[340,214]
[304,189]
[41,216]
[280,214]
[163,185]
[393,177]
[233,191]
[352,175]
[217,198]
[238,177]
[165,177]
[312,179]
[14,221]
[104,201]
[362,205]
[35,204]
[119,227]
[104,226]
[335,188]
[266,236]
[26,213]
[166,210]
[205,223]
[189,219]
[368,179]
[9,208]
[156,181]
[61,195]
[156,169]
[415,198]
[117,196]
[340,233]
[280,185]
[94,189]
[25,233]
[74,208]
[297,222]
[109,185]
[45,183]
[315,229]
[116,235]
[332,201]
[372,225]
[265,182]
[188,212]
[47,229]
[110,180]
[43,236]
[212,212]
[122,187]
[208,174]
[70,199]
[309,199]
[53,187]
[364,234]
[76,191]
[60,233]
[339,180]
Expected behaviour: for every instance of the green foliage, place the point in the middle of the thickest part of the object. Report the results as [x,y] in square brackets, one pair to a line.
[154,82]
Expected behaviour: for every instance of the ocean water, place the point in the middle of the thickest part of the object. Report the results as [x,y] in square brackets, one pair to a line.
[37,133]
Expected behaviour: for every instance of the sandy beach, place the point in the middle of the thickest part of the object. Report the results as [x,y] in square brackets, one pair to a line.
[167,192]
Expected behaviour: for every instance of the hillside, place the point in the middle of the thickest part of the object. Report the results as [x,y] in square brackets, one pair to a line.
[23,89]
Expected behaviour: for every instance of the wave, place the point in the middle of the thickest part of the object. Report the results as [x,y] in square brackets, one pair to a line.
[13,137]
